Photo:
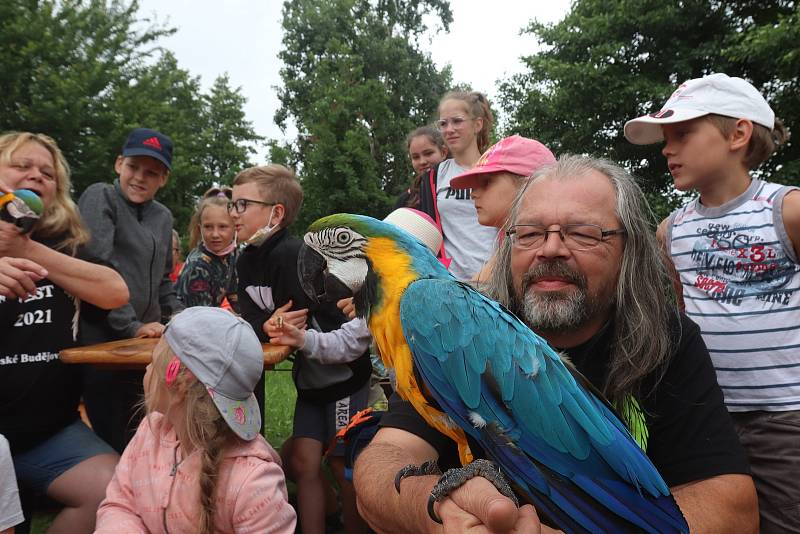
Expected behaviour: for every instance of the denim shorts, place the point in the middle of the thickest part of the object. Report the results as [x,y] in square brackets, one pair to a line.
[38,467]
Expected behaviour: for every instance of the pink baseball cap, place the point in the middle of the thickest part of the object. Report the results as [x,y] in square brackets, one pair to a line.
[515,154]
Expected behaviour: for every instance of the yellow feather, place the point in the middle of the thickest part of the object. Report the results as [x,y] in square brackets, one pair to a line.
[393,266]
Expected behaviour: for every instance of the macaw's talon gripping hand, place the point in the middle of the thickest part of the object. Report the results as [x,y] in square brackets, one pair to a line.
[428,468]
[455,478]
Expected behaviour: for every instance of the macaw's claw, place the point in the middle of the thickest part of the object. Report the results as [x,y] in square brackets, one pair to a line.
[428,468]
[455,478]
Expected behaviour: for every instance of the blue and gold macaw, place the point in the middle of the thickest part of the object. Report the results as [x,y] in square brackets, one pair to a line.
[472,369]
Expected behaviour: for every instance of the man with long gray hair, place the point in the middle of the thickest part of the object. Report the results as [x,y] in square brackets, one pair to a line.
[581,266]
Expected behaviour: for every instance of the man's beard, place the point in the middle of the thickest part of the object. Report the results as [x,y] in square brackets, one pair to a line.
[556,310]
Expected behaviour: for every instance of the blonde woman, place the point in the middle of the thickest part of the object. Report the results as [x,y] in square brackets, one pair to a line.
[42,281]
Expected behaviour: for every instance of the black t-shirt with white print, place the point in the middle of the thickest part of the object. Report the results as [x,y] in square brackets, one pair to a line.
[39,395]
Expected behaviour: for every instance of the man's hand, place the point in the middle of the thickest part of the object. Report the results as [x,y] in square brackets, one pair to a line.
[150,330]
[347,307]
[18,277]
[478,508]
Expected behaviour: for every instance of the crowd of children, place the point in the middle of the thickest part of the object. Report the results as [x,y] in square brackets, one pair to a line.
[192,453]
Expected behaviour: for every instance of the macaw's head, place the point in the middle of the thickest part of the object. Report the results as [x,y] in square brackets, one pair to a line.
[356,256]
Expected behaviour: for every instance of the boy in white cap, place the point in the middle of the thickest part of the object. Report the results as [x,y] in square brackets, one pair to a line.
[735,252]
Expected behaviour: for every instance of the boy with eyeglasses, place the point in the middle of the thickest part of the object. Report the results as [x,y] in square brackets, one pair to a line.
[131,232]
[331,368]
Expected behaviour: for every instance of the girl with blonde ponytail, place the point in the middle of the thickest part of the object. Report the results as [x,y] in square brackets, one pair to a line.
[198,462]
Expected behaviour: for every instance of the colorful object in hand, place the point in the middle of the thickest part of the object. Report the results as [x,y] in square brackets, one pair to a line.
[22,208]
[471,368]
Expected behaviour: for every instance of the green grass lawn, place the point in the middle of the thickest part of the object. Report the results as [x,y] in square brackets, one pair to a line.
[278,412]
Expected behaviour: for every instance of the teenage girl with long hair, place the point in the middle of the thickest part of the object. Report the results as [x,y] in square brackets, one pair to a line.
[465,121]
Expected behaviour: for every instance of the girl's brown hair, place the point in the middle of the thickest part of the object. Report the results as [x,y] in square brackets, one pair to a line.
[60,219]
[216,196]
[206,430]
[478,107]
[763,142]
[435,137]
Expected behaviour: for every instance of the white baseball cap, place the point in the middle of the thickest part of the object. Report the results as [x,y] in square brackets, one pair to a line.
[717,94]
[419,224]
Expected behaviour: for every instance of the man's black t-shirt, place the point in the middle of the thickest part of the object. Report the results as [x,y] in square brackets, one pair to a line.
[691,436]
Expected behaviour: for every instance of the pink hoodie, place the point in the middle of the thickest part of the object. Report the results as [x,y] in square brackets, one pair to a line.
[151,494]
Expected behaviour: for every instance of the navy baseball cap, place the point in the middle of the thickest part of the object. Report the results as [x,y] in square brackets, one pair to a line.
[147,142]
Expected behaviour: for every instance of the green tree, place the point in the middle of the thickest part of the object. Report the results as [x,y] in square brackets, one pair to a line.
[355,82]
[86,72]
[608,61]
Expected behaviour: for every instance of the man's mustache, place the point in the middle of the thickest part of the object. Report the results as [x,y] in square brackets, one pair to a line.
[553,269]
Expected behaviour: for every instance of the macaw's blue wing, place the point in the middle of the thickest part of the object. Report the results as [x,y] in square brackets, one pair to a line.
[564,450]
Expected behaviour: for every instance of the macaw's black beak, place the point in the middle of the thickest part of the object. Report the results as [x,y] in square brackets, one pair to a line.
[318,284]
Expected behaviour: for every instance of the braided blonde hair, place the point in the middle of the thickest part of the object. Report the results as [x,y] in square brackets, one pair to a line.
[206,430]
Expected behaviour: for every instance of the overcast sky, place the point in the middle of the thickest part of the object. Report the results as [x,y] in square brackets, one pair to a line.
[243,38]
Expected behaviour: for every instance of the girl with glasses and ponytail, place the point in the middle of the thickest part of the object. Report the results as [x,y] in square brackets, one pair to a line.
[465,121]
[208,277]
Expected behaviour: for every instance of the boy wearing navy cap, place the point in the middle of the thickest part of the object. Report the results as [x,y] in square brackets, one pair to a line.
[132,232]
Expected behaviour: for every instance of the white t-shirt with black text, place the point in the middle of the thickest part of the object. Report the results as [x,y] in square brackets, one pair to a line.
[466,241]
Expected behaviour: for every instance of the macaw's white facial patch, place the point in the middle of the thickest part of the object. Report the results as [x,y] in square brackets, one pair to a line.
[351,272]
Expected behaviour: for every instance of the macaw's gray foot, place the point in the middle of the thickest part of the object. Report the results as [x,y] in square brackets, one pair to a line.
[428,468]
[455,478]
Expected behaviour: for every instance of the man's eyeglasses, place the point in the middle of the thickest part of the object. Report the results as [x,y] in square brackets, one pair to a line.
[574,236]
[241,204]
[456,122]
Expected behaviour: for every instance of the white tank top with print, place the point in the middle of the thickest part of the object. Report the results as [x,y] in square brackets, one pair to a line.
[740,279]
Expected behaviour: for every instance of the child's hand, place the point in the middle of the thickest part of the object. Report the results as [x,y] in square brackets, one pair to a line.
[347,307]
[18,277]
[282,316]
[289,335]
[150,330]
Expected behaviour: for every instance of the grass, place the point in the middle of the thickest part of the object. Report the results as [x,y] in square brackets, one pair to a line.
[279,398]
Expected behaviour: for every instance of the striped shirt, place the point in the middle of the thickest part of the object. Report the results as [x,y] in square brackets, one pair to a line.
[740,279]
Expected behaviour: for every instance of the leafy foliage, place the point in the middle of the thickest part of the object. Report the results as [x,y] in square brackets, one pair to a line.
[86,72]
[608,61]
[355,83]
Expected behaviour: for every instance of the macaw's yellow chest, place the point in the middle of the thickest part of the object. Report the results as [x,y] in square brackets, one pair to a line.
[395,272]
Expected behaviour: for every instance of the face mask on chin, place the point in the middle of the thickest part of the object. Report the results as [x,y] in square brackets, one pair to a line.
[264,233]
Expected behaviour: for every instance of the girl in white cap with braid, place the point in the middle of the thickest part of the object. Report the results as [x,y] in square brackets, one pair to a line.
[197,462]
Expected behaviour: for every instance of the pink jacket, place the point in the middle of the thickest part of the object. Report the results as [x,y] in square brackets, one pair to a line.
[155,491]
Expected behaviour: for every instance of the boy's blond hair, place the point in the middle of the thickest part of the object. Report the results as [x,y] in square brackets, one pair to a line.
[276,184]
[763,142]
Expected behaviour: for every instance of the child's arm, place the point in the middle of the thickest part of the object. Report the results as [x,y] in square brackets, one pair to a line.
[791,219]
[262,504]
[344,345]
[661,235]
[194,285]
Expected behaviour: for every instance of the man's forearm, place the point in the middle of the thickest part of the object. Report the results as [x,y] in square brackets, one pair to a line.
[726,503]
[379,503]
